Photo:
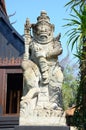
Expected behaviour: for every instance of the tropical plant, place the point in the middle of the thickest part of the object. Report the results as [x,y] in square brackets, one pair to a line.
[77,37]
[69,88]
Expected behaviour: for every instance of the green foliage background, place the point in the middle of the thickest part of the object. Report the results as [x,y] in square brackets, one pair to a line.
[77,36]
[69,88]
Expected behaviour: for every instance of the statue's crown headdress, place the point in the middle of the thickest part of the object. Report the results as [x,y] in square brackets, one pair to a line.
[43,17]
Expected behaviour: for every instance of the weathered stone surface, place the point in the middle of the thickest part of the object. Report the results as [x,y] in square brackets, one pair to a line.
[41,103]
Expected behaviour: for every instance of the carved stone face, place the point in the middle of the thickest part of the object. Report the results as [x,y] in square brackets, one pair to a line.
[43,32]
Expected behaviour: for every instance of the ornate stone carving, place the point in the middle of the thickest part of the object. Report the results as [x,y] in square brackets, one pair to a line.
[42,74]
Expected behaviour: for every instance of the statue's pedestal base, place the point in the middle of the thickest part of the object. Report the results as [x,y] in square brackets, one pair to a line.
[41,121]
[43,117]
[42,128]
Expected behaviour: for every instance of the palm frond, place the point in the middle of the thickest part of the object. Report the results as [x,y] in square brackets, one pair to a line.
[69,3]
[78,56]
[71,39]
[74,42]
[73,16]
[77,13]
[75,3]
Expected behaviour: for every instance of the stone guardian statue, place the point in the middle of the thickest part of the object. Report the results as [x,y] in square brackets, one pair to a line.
[41,103]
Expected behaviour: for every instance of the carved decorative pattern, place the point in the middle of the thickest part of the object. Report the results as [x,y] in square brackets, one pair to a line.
[10,62]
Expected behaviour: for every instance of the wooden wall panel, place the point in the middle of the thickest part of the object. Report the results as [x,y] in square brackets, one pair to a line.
[3,84]
[2,88]
[14,70]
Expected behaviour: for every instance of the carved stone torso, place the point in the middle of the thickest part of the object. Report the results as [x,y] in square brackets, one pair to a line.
[46,50]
